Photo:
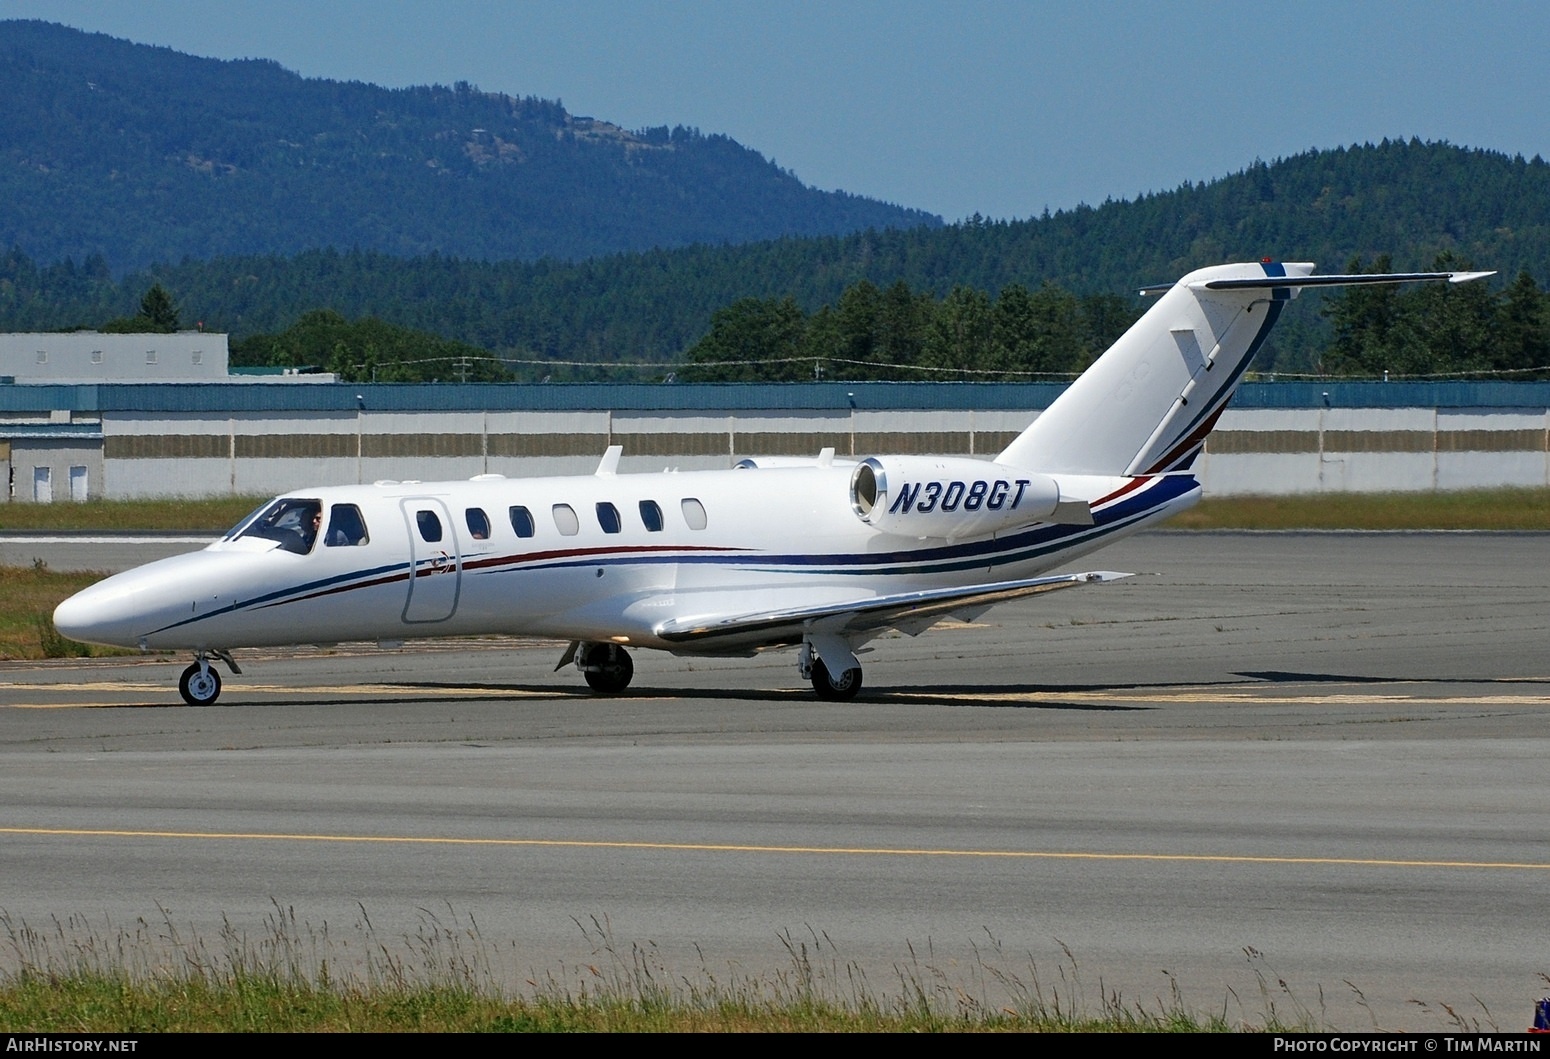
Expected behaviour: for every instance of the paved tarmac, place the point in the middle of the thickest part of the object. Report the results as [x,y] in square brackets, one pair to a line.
[95,551]
[1298,772]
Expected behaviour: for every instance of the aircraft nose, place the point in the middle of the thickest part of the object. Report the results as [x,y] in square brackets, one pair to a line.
[105,613]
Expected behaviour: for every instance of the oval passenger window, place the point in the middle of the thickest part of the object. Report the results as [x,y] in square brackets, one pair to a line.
[565,520]
[522,521]
[430,526]
[694,513]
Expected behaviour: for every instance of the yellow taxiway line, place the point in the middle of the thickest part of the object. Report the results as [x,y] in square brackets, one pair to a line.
[712,847]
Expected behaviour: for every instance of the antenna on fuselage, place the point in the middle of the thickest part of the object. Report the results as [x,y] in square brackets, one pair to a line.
[610,462]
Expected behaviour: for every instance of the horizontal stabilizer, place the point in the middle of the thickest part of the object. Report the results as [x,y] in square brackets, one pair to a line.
[1356,280]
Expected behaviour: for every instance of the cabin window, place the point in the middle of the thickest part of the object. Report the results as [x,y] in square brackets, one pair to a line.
[522,522]
[651,515]
[430,526]
[289,522]
[478,524]
[608,518]
[346,528]
[694,513]
[565,520]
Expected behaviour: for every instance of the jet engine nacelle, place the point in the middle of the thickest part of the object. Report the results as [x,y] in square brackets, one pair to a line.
[924,496]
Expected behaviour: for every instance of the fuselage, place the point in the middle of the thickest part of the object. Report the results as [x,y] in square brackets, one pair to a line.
[586,558]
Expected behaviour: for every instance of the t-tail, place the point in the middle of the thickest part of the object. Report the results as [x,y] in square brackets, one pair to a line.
[1146,406]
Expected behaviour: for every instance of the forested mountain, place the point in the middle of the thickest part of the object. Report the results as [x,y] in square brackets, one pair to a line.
[1408,201]
[125,155]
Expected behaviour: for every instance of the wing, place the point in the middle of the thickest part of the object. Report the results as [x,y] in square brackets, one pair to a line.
[858,620]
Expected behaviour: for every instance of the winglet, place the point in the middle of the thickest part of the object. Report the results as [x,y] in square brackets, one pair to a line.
[610,461]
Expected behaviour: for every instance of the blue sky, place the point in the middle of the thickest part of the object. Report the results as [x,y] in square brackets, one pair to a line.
[1001,108]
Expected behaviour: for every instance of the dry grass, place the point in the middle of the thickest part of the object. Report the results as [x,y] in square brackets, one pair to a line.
[1484,509]
[201,515]
[28,596]
[70,976]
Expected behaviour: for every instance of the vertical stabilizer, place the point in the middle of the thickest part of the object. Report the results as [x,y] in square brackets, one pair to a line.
[1146,405]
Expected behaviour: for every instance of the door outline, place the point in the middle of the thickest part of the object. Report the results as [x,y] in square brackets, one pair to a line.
[432,596]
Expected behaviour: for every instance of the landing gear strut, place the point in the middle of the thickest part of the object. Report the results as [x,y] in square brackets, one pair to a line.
[200,684]
[607,667]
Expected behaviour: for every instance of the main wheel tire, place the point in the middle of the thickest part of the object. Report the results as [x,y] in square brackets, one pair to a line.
[608,668]
[200,687]
[831,690]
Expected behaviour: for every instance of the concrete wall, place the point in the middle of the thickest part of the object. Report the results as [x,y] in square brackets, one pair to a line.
[1267,451]
[54,470]
[171,439]
[1272,451]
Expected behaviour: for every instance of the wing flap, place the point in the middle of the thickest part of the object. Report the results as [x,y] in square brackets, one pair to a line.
[912,612]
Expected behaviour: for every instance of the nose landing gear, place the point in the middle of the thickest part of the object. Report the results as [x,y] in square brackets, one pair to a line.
[200,684]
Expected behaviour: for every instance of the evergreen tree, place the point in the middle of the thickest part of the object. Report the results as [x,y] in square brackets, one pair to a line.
[902,317]
[1522,335]
[1364,320]
[751,340]
[1443,327]
[156,306]
[157,315]
[960,334]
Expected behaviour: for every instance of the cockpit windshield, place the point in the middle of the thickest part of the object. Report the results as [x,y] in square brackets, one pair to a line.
[290,522]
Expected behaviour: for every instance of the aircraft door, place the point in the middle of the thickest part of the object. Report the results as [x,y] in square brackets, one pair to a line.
[434,558]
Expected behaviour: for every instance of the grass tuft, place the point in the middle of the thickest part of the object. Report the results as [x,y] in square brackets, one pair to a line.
[70,976]
[28,596]
[53,644]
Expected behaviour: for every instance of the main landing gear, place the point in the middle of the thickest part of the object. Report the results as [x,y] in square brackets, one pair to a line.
[835,689]
[200,684]
[606,666]
[608,669]
[829,686]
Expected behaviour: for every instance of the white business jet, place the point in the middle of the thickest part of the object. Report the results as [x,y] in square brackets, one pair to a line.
[819,554]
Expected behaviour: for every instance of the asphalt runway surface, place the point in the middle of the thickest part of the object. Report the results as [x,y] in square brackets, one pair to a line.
[1288,772]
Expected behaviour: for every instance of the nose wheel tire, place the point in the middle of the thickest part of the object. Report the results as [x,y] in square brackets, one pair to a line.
[200,686]
[832,690]
[608,668]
